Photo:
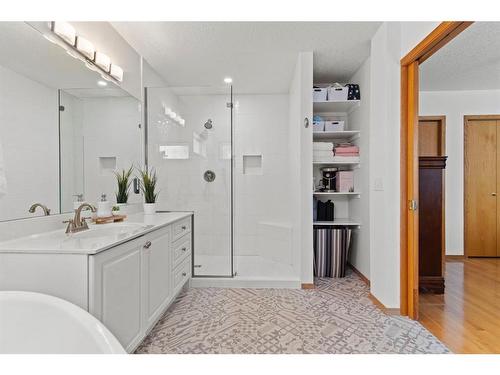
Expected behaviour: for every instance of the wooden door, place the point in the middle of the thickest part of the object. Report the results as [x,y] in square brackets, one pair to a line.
[480,187]
[432,136]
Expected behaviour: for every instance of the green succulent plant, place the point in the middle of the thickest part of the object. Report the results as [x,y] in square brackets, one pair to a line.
[148,185]
[123,180]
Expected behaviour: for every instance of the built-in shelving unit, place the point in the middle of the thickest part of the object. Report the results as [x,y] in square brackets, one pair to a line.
[330,106]
[337,163]
[340,109]
[349,194]
[348,135]
[339,222]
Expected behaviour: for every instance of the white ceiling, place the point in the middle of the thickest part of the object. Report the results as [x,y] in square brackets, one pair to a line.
[471,61]
[259,56]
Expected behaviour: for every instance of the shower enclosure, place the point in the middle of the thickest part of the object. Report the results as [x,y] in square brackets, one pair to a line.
[189,142]
[225,157]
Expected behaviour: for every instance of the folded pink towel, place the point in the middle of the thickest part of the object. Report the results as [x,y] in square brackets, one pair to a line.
[348,154]
[346,149]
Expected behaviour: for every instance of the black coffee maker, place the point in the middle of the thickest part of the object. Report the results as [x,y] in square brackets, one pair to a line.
[329,176]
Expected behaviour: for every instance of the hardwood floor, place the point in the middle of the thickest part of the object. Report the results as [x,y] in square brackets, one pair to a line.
[467,317]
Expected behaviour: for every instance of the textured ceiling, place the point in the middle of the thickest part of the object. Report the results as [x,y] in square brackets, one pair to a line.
[259,56]
[471,61]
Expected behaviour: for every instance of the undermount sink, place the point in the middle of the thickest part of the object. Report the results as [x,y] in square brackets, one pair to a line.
[98,236]
[114,230]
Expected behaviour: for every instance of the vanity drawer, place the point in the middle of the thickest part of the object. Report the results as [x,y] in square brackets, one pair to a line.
[180,228]
[180,250]
[182,273]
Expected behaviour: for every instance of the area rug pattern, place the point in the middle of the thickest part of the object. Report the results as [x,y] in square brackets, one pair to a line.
[335,317]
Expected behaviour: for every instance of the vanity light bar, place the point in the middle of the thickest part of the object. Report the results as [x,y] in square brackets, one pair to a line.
[83,49]
[116,72]
[102,61]
[65,31]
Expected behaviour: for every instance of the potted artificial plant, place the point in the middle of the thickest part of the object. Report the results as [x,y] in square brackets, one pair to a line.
[148,187]
[123,181]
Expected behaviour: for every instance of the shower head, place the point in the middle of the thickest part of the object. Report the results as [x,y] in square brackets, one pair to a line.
[208,124]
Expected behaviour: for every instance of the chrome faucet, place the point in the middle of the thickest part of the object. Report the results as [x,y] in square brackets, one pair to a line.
[77,224]
[46,210]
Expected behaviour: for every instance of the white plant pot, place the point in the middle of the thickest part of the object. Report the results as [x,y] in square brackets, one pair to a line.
[149,208]
[123,209]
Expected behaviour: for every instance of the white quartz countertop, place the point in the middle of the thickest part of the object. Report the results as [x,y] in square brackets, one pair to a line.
[98,238]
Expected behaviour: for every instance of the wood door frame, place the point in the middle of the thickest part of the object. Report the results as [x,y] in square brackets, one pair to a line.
[438,38]
[466,120]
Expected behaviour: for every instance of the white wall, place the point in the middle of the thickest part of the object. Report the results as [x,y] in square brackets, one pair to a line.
[359,209]
[301,171]
[455,105]
[29,139]
[384,164]
[413,33]
[150,78]
[391,42]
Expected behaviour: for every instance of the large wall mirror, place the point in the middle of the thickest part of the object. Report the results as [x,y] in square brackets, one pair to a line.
[63,129]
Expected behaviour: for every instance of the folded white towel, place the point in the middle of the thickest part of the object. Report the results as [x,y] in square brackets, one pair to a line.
[325,146]
[346,159]
[3,178]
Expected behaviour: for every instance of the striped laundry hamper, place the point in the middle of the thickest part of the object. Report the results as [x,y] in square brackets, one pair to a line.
[331,249]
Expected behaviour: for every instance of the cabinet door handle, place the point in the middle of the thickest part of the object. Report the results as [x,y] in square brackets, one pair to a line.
[184,249]
[494,194]
[183,227]
[184,274]
[147,245]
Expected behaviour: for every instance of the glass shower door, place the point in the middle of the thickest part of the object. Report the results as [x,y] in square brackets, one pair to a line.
[189,135]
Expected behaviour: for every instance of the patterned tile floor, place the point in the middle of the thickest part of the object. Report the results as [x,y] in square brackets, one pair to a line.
[336,317]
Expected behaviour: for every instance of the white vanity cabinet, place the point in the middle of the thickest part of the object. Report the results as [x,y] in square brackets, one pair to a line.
[115,290]
[157,288]
[133,284]
[127,284]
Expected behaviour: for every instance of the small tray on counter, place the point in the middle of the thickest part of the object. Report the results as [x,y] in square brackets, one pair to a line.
[109,219]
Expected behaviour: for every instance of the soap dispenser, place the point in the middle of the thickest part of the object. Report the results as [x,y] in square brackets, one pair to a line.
[104,207]
[78,201]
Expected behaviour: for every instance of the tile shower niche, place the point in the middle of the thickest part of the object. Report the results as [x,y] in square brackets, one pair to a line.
[107,165]
[252,164]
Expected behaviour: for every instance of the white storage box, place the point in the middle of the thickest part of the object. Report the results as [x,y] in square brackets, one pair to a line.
[318,126]
[337,94]
[320,94]
[334,126]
